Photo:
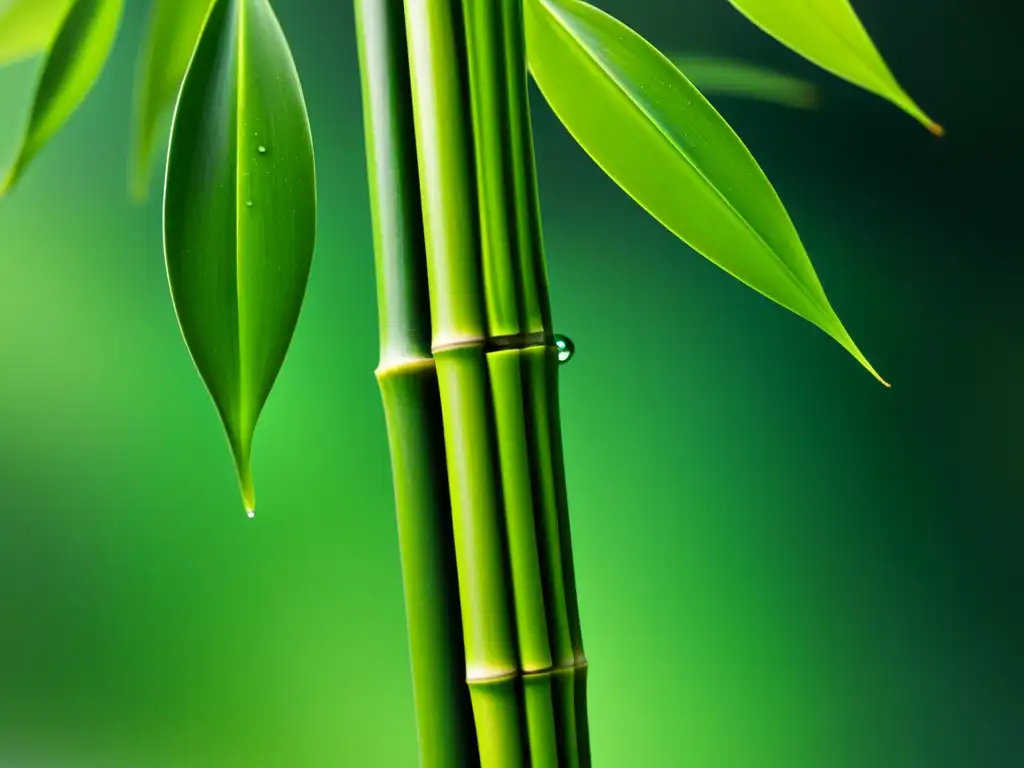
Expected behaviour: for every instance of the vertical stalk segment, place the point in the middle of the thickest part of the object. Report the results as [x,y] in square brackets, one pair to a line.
[408,383]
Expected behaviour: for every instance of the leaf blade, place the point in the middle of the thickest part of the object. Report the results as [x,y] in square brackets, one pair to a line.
[658,138]
[28,27]
[74,63]
[237,272]
[171,38]
[730,77]
[829,33]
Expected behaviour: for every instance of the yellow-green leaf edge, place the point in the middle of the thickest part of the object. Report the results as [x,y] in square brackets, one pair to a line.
[838,19]
[555,11]
[73,64]
[27,27]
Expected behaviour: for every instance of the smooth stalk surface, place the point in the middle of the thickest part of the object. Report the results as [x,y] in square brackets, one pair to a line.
[444,143]
[412,407]
[496,363]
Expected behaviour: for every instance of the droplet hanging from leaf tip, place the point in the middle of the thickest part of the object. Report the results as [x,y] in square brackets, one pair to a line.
[247,488]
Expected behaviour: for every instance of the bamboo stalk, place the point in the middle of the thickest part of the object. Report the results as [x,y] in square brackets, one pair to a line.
[518,311]
[539,366]
[408,383]
[495,357]
[489,44]
[567,637]
[458,316]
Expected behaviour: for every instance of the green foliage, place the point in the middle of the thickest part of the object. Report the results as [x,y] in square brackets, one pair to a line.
[174,29]
[27,27]
[240,212]
[729,77]
[653,133]
[73,64]
[828,33]
[241,152]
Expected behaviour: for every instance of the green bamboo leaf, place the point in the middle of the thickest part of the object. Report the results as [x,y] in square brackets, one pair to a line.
[171,38]
[654,134]
[73,64]
[27,27]
[829,34]
[730,77]
[240,213]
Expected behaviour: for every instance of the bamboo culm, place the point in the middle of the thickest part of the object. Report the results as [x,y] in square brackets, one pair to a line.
[497,374]
[408,384]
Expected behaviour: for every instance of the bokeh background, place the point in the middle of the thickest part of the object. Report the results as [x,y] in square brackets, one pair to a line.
[780,562]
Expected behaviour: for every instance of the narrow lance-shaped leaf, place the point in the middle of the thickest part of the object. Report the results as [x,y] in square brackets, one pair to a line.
[728,77]
[653,133]
[27,27]
[240,213]
[73,64]
[171,38]
[829,34]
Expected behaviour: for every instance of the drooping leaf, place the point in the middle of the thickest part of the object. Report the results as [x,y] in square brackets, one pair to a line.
[829,34]
[654,134]
[173,32]
[729,77]
[73,64]
[240,213]
[27,27]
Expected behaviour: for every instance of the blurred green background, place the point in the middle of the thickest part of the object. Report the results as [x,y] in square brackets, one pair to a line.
[780,562]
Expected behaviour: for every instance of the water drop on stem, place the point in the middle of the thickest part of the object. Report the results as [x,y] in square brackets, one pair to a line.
[566,349]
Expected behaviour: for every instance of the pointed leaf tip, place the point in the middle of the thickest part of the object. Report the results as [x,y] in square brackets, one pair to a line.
[829,33]
[239,213]
[76,54]
[643,122]
[244,470]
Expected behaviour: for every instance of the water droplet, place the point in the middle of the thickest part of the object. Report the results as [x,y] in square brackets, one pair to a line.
[261,149]
[251,513]
[248,203]
[566,349]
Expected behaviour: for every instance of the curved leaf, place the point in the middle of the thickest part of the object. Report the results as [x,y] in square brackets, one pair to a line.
[73,64]
[829,34]
[171,38]
[654,134]
[737,78]
[27,27]
[240,213]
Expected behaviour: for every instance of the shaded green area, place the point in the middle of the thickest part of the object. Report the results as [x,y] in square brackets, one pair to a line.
[779,562]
